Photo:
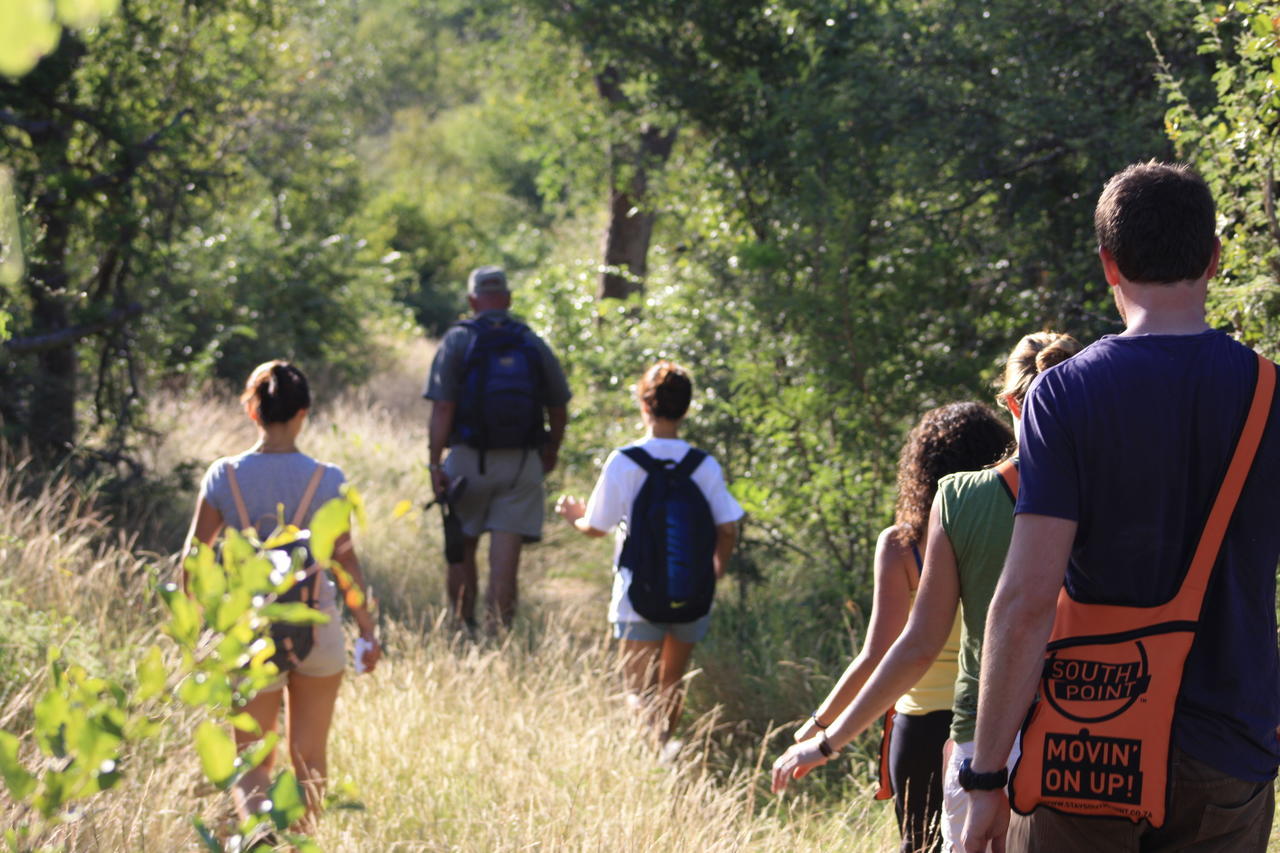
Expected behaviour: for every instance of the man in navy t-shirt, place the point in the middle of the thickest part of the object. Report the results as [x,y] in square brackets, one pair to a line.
[1123,448]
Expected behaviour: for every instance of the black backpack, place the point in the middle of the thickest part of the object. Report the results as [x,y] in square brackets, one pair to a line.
[293,642]
[501,401]
[671,541]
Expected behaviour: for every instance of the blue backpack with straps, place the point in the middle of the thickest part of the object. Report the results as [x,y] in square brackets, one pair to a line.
[500,404]
[671,541]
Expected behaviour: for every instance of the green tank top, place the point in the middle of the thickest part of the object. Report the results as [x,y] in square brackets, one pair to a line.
[977,515]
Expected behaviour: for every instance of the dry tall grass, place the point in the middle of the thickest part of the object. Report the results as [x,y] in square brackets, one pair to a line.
[451,745]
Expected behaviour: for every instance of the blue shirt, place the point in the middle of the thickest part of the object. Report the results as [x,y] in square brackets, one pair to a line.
[1131,438]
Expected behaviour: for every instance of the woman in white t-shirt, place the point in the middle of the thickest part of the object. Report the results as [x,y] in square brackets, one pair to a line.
[247,490]
[654,655]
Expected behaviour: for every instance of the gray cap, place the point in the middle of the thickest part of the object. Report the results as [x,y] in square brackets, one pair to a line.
[487,280]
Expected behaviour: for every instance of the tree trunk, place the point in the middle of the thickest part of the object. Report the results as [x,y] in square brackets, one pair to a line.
[625,248]
[51,417]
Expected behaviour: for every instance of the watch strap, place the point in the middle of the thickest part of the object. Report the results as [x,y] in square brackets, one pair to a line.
[971,781]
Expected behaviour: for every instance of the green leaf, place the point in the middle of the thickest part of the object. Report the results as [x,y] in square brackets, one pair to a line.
[288,803]
[151,675]
[196,690]
[353,496]
[301,843]
[19,782]
[12,265]
[80,14]
[217,753]
[184,621]
[294,613]
[327,524]
[27,32]
[51,715]
[245,723]
[258,752]
[207,838]
[1262,24]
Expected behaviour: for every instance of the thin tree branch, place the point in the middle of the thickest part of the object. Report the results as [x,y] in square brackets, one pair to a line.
[72,334]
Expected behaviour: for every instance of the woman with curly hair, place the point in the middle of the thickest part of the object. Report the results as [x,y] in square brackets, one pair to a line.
[968,532]
[955,437]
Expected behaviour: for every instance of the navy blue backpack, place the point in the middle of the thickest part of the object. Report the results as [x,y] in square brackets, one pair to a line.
[501,401]
[671,541]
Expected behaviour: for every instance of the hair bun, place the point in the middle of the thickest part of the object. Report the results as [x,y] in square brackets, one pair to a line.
[1062,348]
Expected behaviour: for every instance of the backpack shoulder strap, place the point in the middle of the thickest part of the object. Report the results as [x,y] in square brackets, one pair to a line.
[238,497]
[1008,471]
[690,462]
[309,495]
[642,458]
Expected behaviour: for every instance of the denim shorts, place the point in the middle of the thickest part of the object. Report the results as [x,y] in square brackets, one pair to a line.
[654,632]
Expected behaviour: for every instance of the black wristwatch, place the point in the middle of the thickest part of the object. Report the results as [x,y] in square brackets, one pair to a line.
[971,781]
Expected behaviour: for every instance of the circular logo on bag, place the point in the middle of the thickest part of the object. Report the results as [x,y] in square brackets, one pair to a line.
[1099,685]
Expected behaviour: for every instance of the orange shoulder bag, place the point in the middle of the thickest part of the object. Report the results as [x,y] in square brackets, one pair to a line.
[1096,741]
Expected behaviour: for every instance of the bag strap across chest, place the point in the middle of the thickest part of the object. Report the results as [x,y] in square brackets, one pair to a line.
[1073,620]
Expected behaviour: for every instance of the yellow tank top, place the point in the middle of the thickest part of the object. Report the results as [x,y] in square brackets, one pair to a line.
[936,689]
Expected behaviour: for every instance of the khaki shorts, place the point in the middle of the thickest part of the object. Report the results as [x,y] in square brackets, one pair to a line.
[507,497]
[328,656]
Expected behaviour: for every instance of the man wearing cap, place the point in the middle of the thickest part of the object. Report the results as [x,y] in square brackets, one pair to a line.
[485,372]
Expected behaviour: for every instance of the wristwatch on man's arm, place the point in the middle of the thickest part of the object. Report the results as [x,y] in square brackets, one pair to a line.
[971,781]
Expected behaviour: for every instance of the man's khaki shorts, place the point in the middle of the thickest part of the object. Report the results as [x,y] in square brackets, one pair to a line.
[507,497]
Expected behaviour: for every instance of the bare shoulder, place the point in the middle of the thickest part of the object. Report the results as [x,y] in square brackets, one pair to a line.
[891,550]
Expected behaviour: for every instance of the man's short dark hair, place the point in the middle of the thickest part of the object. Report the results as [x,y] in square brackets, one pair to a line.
[1158,221]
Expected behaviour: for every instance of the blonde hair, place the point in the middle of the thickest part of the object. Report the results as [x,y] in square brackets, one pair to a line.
[1032,356]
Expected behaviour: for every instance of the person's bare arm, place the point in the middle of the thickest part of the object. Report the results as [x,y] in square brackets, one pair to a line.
[438,429]
[557,418]
[574,511]
[345,553]
[726,539]
[910,656]
[890,606]
[1018,626]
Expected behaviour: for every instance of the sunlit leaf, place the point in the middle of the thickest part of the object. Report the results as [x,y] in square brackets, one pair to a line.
[11,259]
[295,613]
[401,509]
[327,524]
[246,723]
[184,620]
[80,14]
[27,32]
[19,782]
[352,494]
[51,715]
[288,803]
[217,753]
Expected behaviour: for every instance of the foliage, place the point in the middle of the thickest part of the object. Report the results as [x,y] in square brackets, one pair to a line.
[1233,138]
[29,29]
[869,204]
[84,729]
